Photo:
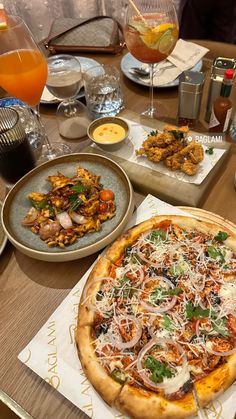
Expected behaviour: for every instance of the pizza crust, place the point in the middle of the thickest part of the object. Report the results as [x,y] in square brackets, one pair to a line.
[143,404]
[116,250]
[215,383]
[92,286]
[108,388]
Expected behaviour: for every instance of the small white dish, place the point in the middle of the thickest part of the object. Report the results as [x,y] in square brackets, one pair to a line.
[112,130]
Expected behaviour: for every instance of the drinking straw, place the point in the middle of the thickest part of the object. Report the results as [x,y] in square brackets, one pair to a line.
[137,10]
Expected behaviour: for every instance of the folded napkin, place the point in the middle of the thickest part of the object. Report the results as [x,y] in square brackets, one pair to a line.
[47,96]
[184,56]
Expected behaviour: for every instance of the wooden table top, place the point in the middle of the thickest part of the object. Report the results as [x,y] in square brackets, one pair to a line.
[30,290]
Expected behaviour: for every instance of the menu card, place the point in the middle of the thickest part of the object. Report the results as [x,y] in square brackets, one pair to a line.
[52,353]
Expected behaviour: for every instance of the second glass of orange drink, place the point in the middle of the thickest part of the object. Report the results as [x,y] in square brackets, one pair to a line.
[151,33]
[23,71]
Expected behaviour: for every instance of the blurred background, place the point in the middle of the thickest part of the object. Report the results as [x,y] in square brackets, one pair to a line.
[39,14]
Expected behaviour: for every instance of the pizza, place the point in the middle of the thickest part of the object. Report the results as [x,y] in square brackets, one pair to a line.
[156,329]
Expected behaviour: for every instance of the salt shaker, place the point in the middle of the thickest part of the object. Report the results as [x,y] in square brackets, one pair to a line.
[190,96]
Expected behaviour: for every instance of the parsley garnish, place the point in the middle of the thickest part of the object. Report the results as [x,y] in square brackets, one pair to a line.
[159,370]
[219,327]
[216,253]
[209,150]
[157,235]
[177,134]
[195,312]
[124,286]
[221,236]
[153,133]
[158,294]
[174,291]
[167,323]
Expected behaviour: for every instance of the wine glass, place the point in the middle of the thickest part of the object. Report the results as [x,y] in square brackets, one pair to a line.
[151,32]
[64,82]
[23,73]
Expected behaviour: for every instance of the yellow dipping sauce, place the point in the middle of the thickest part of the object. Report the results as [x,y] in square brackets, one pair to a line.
[109,133]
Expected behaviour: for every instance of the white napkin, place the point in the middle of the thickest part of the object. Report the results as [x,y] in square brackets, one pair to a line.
[184,56]
[47,96]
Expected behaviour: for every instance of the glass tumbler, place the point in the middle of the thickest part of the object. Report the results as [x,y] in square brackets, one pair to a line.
[16,155]
[103,91]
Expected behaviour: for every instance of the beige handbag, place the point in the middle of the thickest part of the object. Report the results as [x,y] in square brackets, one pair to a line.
[98,34]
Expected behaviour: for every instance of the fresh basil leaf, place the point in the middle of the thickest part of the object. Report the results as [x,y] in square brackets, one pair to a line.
[75,202]
[221,236]
[79,187]
[51,211]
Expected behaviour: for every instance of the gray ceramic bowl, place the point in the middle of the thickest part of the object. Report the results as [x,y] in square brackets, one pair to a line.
[17,204]
[113,145]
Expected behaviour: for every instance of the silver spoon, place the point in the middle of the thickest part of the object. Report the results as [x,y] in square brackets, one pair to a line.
[145,72]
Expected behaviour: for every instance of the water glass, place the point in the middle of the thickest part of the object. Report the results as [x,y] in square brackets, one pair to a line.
[16,155]
[103,91]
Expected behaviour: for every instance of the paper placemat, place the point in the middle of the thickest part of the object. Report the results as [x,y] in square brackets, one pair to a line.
[139,133]
[52,353]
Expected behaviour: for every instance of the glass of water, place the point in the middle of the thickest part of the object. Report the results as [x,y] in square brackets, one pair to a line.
[103,91]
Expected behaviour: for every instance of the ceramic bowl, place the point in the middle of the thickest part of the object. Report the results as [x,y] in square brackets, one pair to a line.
[17,204]
[112,143]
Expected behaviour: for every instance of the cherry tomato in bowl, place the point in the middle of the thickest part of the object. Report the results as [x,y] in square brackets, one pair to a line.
[106,195]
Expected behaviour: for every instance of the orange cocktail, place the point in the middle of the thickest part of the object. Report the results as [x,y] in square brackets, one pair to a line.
[148,39]
[23,73]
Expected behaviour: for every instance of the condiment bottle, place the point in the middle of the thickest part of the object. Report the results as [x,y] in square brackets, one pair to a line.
[220,64]
[190,96]
[222,106]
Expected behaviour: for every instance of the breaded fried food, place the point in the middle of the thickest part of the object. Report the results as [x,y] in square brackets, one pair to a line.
[194,151]
[189,168]
[172,147]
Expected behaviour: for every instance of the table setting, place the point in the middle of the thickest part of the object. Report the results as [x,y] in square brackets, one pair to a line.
[100,165]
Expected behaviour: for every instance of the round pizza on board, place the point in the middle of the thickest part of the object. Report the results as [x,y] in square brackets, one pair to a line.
[156,329]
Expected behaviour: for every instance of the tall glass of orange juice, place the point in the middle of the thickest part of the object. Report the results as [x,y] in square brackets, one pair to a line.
[24,70]
[151,32]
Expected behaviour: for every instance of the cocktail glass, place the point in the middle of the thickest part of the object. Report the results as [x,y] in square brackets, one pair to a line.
[151,32]
[23,74]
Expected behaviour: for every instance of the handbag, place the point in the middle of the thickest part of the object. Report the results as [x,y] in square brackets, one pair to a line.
[98,34]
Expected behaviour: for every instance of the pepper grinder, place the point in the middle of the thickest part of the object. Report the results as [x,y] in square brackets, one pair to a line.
[190,96]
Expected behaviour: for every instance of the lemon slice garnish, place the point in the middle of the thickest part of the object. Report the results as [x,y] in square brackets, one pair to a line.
[161,37]
[166,42]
